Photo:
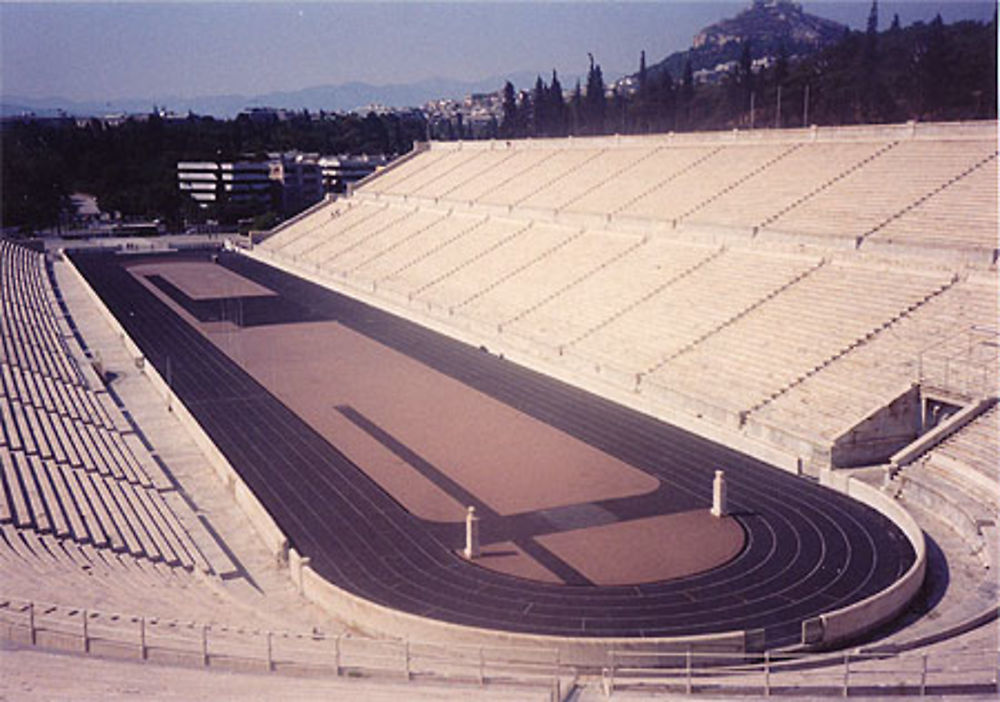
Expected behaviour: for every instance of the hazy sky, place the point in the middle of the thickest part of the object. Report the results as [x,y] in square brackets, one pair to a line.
[93,51]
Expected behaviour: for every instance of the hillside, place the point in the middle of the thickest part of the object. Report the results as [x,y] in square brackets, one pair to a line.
[770,25]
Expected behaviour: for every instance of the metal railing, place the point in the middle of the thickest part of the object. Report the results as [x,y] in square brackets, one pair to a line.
[183,643]
[717,673]
[837,674]
[964,364]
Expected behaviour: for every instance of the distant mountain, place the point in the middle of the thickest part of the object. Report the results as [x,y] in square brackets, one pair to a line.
[768,25]
[345,97]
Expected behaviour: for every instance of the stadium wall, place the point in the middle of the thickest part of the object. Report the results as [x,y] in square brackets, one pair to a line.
[418,148]
[881,132]
[588,652]
[842,625]
[882,433]
[257,237]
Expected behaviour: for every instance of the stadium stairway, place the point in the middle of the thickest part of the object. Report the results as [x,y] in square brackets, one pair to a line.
[823,186]
[374,228]
[620,312]
[958,477]
[574,282]
[966,220]
[665,181]
[956,501]
[882,327]
[540,257]
[860,202]
[738,182]
[399,272]
[601,174]
[734,319]
[418,227]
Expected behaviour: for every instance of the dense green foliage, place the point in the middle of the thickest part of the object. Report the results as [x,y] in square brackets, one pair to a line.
[927,71]
[132,167]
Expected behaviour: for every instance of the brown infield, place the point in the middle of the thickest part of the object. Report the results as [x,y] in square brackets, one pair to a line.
[508,460]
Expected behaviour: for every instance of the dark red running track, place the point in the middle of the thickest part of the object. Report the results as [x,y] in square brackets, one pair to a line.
[809,550]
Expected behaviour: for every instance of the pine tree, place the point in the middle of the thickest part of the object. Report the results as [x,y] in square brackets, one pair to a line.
[643,98]
[746,77]
[666,101]
[557,107]
[934,71]
[870,67]
[578,120]
[619,117]
[596,104]
[540,108]
[871,36]
[687,90]
[781,65]
[872,26]
[508,126]
[643,78]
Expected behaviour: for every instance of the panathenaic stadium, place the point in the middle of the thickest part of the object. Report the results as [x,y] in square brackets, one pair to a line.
[708,413]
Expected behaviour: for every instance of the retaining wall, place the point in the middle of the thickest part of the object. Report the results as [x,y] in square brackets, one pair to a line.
[881,132]
[587,652]
[855,620]
[883,432]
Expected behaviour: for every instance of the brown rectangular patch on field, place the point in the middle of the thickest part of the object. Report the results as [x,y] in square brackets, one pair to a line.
[648,550]
[407,486]
[510,461]
[202,280]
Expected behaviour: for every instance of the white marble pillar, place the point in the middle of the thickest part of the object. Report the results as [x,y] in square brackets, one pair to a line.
[719,494]
[471,534]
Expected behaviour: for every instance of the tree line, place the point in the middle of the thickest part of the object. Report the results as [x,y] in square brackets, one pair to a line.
[926,71]
[132,167]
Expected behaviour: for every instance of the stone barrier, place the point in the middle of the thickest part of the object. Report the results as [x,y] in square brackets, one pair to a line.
[582,652]
[849,622]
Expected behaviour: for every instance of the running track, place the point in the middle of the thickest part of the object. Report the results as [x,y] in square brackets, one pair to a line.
[809,550]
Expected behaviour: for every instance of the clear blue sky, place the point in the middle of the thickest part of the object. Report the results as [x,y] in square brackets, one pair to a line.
[144,50]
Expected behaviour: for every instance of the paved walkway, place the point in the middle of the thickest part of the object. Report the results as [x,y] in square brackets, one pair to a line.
[27,675]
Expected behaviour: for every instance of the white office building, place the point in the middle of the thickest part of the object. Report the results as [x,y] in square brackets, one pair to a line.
[340,171]
[300,177]
[210,182]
